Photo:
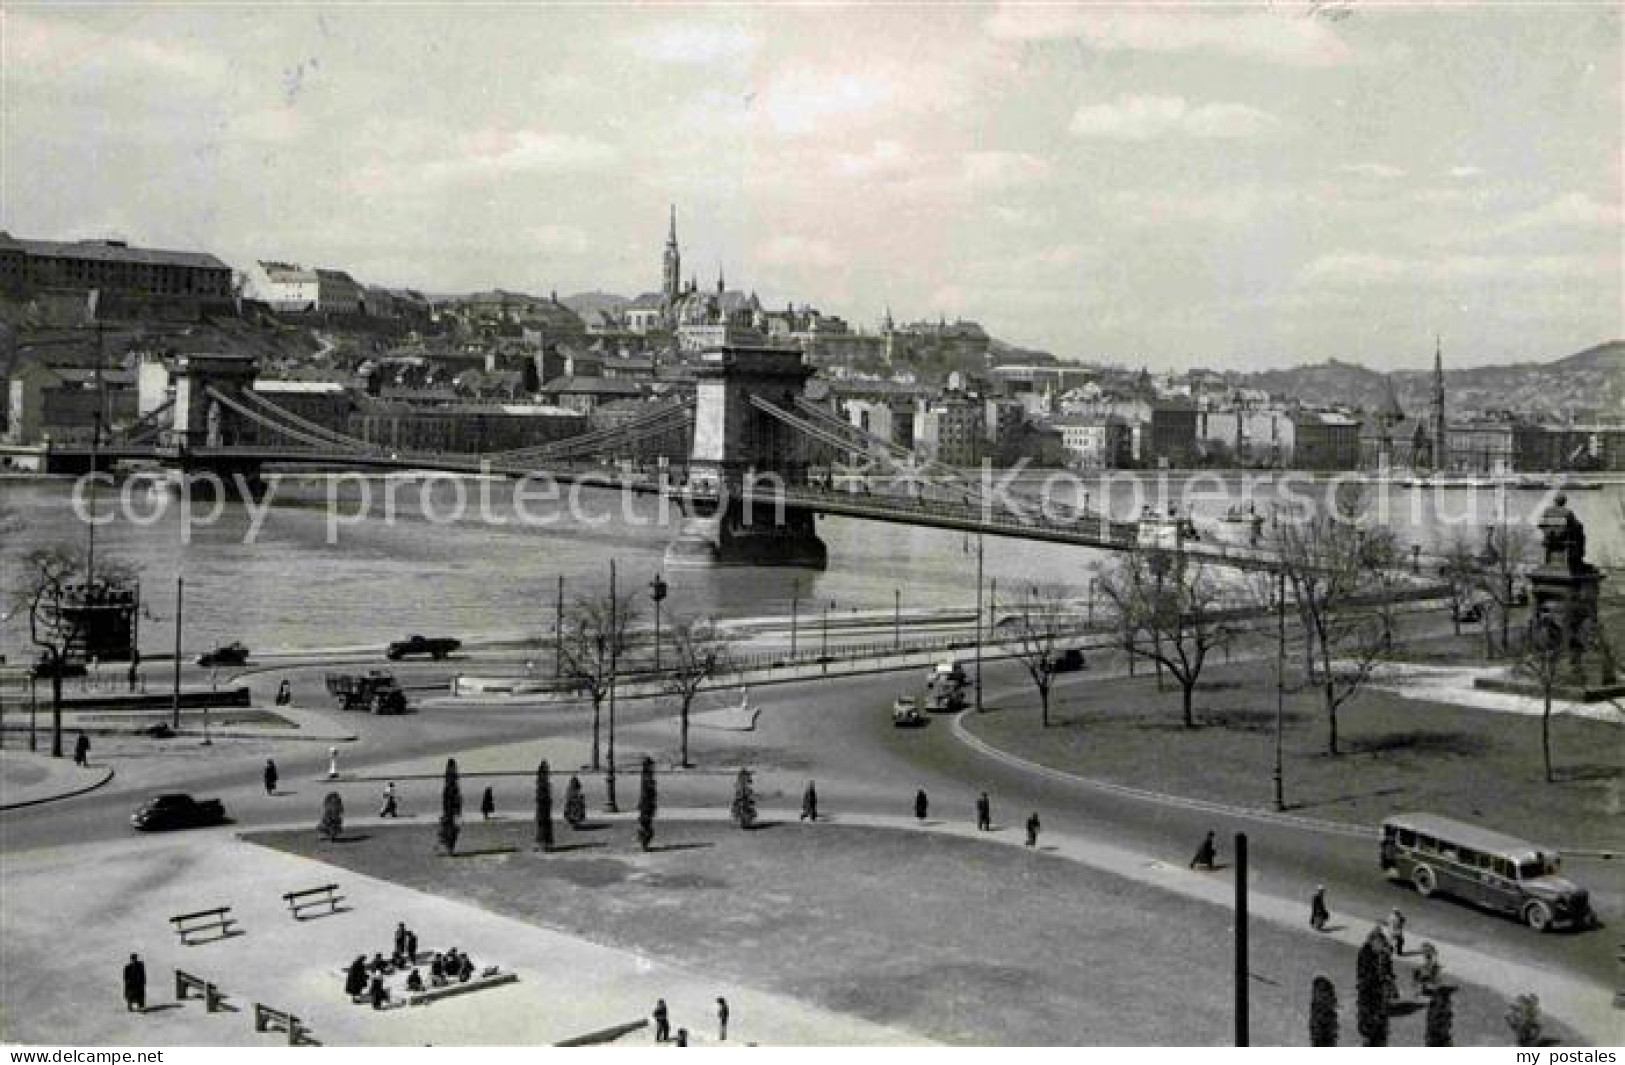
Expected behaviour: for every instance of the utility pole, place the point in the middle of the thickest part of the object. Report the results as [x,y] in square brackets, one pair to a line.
[978,623]
[657,592]
[1243,1037]
[95,464]
[896,618]
[175,706]
[558,631]
[1280,685]
[795,603]
[823,649]
[614,666]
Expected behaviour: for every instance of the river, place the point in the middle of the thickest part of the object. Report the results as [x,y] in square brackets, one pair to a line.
[294,576]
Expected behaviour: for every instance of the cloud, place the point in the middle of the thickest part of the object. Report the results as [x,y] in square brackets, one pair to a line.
[528,150]
[693,45]
[1276,37]
[1361,269]
[44,47]
[1377,171]
[790,250]
[1466,173]
[1573,211]
[1143,118]
[559,239]
[802,100]
[994,170]
[884,159]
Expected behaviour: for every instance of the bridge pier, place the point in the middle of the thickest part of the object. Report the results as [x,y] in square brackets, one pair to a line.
[763,535]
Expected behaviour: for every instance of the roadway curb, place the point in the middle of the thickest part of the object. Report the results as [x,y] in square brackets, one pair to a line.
[603,1035]
[982,747]
[60,795]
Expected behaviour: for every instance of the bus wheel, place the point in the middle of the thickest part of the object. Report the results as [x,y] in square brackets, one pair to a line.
[1424,879]
[1537,915]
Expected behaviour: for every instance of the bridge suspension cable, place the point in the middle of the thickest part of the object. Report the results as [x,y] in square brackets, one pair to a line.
[664,419]
[315,428]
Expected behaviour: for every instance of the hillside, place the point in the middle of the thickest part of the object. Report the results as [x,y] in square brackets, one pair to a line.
[1586,384]
[588,304]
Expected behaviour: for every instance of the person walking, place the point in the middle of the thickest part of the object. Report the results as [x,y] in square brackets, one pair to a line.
[1396,931]
[1318,913]
[355,980]
[662,1022]
[1032,829]
[984,813]
[488,803]
[135,985]
[1207,854]
[722,1019]
[332,763]
[81,750]
[284,694]
[809,803]
[400,939]
[270,777]
[390,808]
[133,676]
[922,805]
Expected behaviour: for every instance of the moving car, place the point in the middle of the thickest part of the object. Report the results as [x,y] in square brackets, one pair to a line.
[435,647]
[230,654]
[1438,855]
[905,712]
[177,810]
[1070,660]
[371,692]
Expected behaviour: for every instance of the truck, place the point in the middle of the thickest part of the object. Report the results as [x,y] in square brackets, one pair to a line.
[372,692]
[436,647]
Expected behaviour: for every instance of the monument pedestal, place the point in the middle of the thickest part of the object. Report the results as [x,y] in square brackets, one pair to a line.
[1567,600]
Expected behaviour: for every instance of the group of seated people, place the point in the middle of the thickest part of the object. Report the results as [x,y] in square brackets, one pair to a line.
[364,980]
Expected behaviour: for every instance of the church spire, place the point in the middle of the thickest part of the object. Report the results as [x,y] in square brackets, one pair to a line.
[671,266]
[1440,434]
[721,284]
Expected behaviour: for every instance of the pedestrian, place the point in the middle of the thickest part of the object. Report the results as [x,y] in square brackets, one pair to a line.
[135,985]
[1318,914]
[390,809]
[411,946]
[722,1019]
[662,1022]
[400,939]
[270,777]
[284,694]
[1032,829]
[355,981]
[332,763]
[1396,931]
[1206,854]
[488,803]
[984,813]
[376,992]
[809,803]
[1430,973]
[682,1037]
[134,674]
[81,750]
[922,805]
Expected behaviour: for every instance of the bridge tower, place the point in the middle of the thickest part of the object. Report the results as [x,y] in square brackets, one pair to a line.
[740,457]
[200,421]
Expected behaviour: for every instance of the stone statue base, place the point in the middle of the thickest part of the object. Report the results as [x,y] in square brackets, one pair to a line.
[1568,600]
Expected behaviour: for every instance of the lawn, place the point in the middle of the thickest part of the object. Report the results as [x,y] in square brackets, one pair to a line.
[1398,753]
[958,940]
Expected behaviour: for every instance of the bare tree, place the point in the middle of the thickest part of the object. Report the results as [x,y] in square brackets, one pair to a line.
[1541,660]
[1343,577]
[697,655]
[590,648]
[1462,576]
[1042,616]
[1169,607]
[1506,551]
[51,581]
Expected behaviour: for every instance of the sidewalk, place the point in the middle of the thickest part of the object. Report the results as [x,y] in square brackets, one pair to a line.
[28,778]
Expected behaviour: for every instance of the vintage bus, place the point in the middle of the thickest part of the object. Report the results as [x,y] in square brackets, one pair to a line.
[1438,855]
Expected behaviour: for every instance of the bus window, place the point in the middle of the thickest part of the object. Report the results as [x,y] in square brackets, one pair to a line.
[1530,870]
[1407,838]
[1503,868]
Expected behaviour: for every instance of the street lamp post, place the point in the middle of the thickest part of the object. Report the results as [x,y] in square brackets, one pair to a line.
[33,709]
[823,646]
[978,623]
[795,603]
[657,592]
[214,687]
[896,618]
[558,631]
[1280,686]
[175,705]
[614,667]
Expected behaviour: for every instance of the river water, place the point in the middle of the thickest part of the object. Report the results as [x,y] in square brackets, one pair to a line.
[301,575]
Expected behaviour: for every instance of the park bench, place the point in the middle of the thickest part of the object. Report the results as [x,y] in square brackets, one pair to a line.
[186,983]
[491,977]
[267,1018]
[326,895]
[219,919]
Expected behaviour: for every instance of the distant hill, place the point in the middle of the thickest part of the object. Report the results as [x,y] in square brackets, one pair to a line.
[1584,384]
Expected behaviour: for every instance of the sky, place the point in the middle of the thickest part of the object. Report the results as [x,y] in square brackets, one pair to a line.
[1226,186]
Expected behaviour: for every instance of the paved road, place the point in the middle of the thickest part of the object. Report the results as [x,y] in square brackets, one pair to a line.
[838,731]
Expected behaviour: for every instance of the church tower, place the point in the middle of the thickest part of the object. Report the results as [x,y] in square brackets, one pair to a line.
[1441,456]
[672,264]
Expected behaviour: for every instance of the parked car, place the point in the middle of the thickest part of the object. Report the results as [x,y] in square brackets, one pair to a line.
[230,654]
[435,647]
[177,810]
[1070,660]
[43,668]
[905,712]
